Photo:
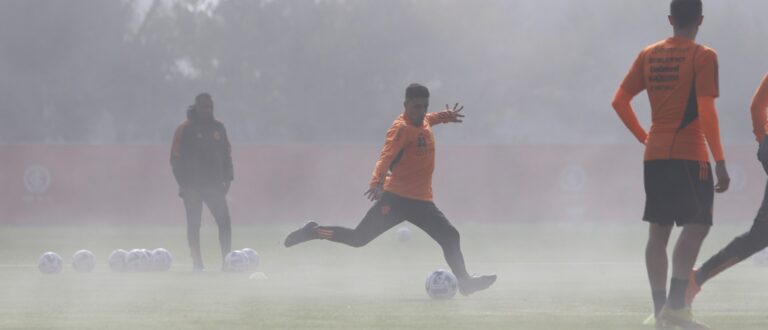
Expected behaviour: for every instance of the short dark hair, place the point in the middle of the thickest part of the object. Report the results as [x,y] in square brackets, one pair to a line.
[416,90]
[685,12]
[203,98]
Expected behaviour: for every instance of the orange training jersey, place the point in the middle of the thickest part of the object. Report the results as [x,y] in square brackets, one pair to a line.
[675,72]
[759,108]
[409,154]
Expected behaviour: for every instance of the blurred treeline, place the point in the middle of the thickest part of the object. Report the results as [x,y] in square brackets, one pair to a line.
[333,71]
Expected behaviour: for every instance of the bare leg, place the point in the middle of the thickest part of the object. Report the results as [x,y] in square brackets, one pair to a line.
[656,261]
[683,259]
[687,249]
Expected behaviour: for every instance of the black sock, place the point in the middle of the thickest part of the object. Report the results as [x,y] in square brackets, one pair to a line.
[659,299]
[677,289]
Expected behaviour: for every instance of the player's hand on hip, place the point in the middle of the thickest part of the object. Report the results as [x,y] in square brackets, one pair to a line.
[454,115]
[374,193]
[723,180]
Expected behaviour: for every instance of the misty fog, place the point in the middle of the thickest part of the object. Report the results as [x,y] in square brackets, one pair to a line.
[543,180]
[333,71]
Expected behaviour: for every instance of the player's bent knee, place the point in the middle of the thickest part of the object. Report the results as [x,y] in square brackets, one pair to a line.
[749,243]
[359,243]
[453,233]
[757,238]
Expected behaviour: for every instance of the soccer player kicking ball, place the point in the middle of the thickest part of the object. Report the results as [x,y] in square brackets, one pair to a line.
[680,77]
[406,193]
[756,238]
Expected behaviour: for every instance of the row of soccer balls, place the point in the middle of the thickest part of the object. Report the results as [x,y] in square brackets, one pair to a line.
[441,284]
[140,260]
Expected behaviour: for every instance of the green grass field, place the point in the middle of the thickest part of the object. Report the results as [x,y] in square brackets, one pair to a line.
[557,276]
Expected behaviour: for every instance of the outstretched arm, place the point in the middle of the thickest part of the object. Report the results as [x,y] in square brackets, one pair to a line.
[622,104]
[448,115]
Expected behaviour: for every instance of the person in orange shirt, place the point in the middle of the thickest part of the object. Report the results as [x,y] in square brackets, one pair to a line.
[401,186]
[756,239]
[681,80]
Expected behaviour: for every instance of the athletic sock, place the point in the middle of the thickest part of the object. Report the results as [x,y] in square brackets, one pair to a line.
[659,299]
[677,289]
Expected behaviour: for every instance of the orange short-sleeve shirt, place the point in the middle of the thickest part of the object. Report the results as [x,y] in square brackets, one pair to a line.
[675,72]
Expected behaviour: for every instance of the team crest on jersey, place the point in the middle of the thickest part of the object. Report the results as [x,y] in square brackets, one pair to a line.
[424,145]
[385,209]
[422,141]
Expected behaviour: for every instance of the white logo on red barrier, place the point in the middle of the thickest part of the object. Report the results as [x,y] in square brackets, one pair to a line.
[37,179]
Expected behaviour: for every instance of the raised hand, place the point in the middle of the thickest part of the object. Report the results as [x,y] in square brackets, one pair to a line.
[453,115]
[374,193]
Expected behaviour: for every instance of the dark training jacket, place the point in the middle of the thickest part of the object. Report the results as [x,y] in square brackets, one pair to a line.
[201,156]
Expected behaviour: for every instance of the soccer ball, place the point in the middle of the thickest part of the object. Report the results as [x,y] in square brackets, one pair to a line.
[442,284]
[146,264]
[761,258]
[253,258]
[161,260]
[138,260]
[403,234]
[83,261]
[117,260]
[236,261]
[50,263]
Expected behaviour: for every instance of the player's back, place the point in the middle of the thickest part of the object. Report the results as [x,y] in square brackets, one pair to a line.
[674,72]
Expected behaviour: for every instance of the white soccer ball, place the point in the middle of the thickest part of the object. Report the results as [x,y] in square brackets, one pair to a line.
[83,261]
[442,284]
[236,261]
[253,258]
[138,260]
[761,258]
[116,260]
[147,265]
[403,234]
[50,263]
[161,260]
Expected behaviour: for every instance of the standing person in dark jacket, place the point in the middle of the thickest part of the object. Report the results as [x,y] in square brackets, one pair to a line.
[202,165]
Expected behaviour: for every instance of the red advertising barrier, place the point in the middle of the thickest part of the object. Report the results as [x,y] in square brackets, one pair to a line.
[63,184]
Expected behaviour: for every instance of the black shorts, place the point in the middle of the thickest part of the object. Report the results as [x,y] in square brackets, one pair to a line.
[678,192]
